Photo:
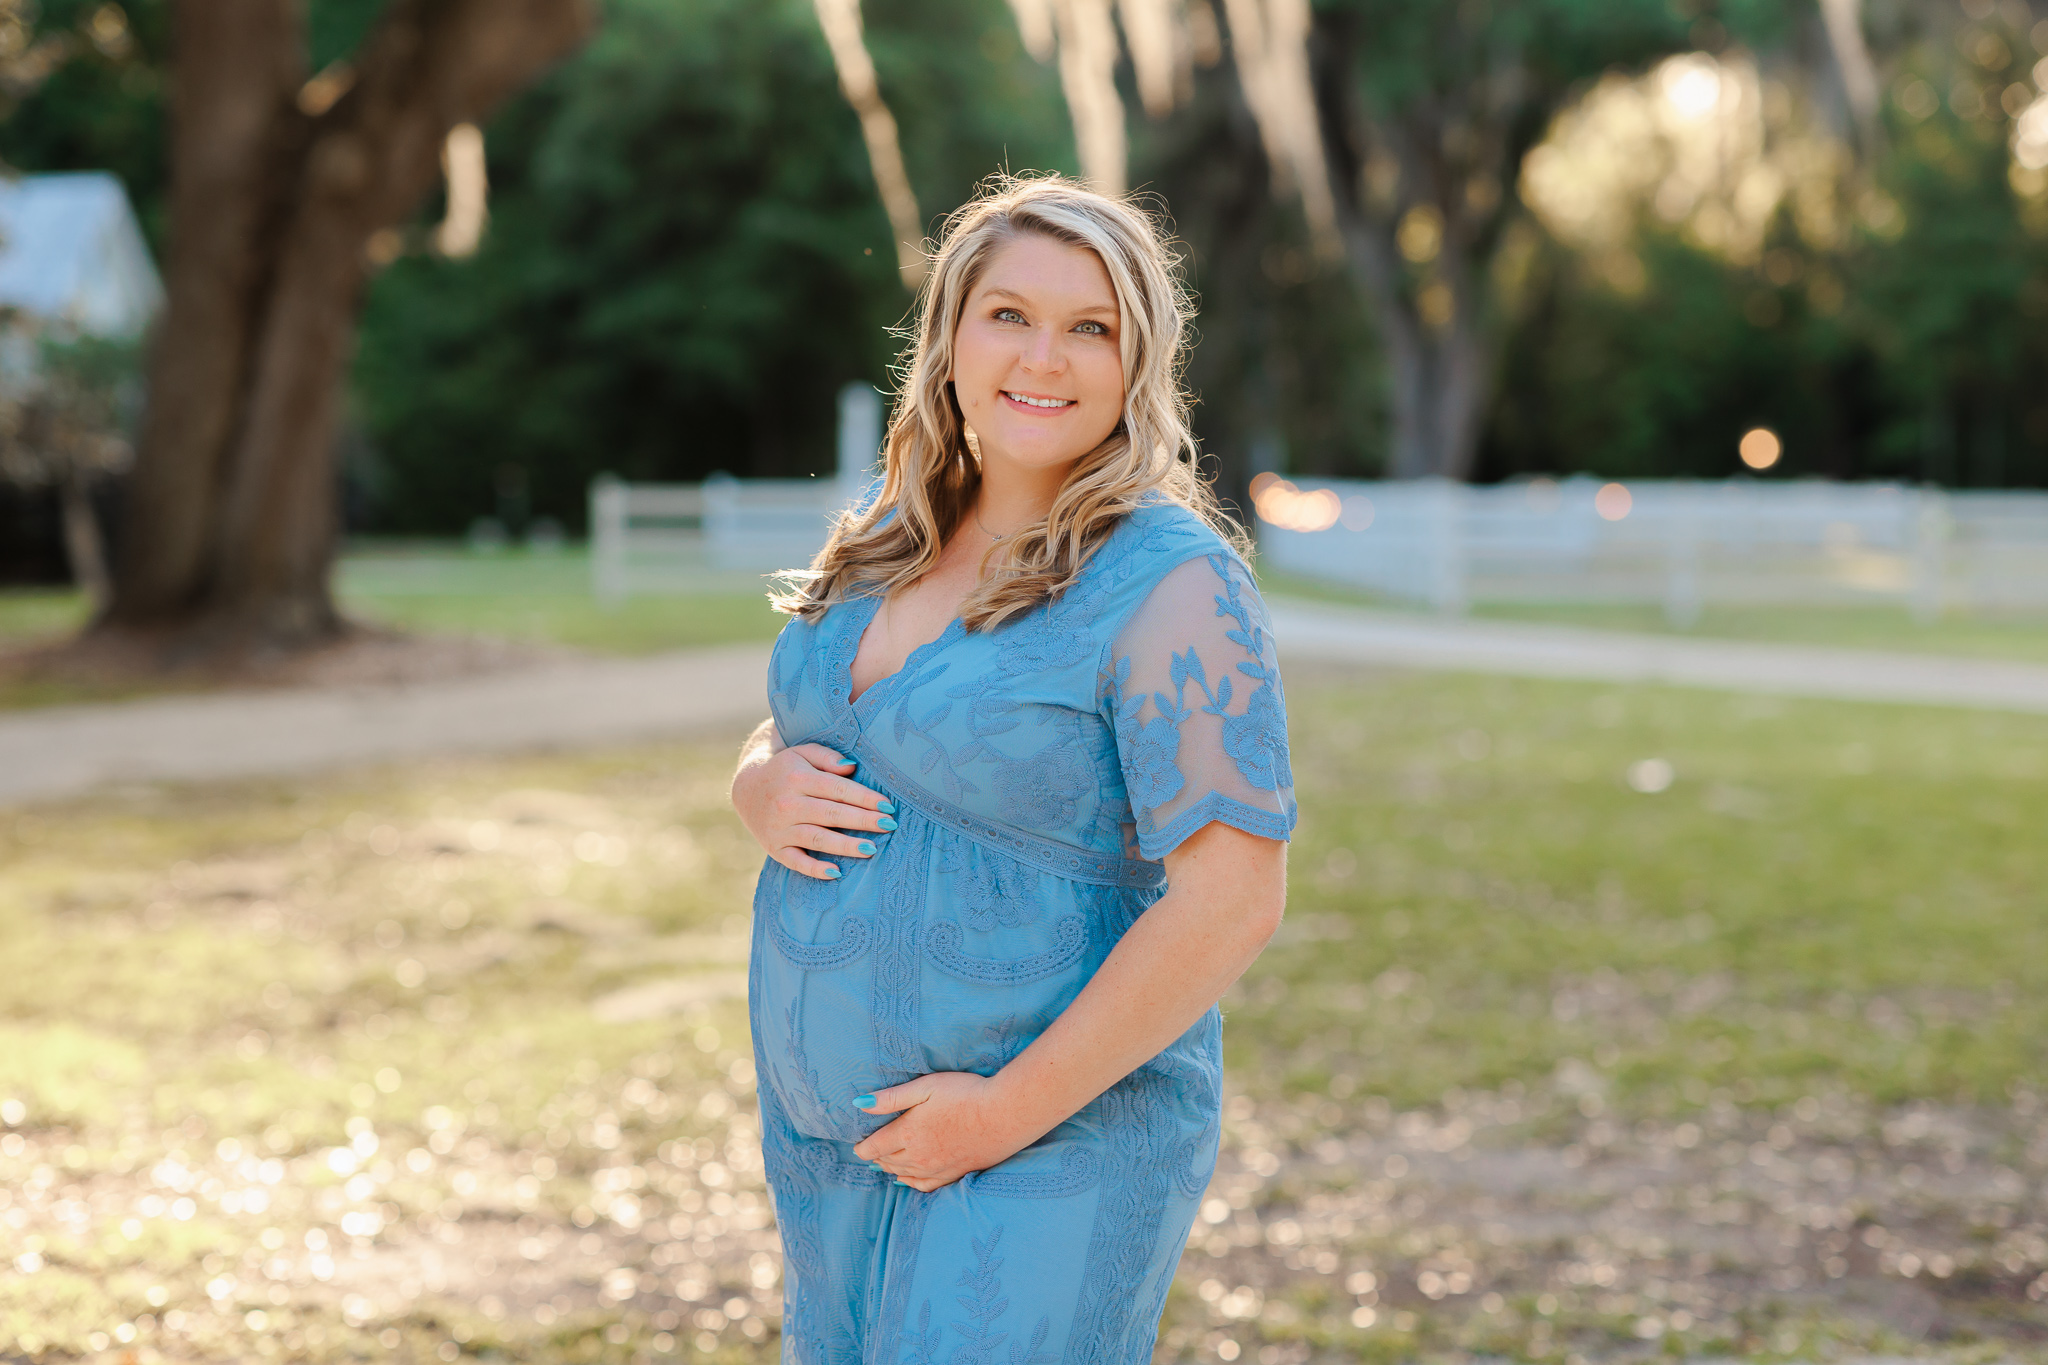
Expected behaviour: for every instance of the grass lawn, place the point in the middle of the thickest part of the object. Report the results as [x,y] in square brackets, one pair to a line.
[449,1061]
[515,595]
[546,598]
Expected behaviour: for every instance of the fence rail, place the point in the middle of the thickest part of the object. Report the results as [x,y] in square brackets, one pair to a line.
[1681,544]
[660,538]
[664,537]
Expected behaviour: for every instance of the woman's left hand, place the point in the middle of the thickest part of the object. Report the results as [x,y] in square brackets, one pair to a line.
[950,1124]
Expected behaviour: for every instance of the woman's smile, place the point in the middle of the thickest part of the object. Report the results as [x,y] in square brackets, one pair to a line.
[1037,402]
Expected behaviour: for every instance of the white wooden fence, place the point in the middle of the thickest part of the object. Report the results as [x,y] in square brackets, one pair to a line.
[1680,543]
[655,538]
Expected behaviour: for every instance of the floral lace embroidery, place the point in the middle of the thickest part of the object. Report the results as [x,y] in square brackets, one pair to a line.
[993,888]
[905,1238]
[1128,1218]
[1079,1169]
[815,898]
[1048,855]
[925,1340]
[1047,786]
[851,943]
[984,1304]
[894,1001]
[796,1212]
[1070,944]
[1007,1038]
[1255,739]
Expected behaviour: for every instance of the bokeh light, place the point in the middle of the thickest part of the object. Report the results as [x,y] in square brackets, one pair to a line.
[1279,503]
[1760,447]
[1650,775]
[1613,501]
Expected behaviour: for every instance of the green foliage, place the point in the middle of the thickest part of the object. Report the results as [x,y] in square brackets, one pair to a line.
[1953,311]
[104,106]
[1907,349]
[1418,53]
[687,259]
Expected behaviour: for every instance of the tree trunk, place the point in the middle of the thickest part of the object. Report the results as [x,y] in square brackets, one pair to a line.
[1440,371]
[1441,388]
[1443,152]
[232,518]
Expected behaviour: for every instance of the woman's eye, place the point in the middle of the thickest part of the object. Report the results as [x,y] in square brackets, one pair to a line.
[1008,315]
[1094,329]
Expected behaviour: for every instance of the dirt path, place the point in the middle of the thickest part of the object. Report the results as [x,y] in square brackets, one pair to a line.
[62,751]
[568,702]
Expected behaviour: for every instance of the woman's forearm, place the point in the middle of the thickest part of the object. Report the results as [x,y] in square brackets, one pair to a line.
[1225,897]
[757,748]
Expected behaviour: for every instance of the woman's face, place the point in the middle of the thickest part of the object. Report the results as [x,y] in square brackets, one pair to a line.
[1037,366]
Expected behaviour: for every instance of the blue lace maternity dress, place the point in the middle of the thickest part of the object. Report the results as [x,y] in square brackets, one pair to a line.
[1040,772]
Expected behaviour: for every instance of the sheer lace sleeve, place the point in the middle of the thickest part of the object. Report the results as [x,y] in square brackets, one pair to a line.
[1194,696]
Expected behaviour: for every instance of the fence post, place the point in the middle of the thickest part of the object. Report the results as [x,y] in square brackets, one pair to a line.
[723,534]
[1929,594]
[860,438]
[1447,547]
[608,538]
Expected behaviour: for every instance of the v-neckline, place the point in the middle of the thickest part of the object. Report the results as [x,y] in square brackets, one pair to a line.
[859,625]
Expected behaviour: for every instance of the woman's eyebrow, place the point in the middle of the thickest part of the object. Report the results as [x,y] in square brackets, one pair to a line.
[997,291]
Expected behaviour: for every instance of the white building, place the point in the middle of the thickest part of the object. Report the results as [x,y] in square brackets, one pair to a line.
[72,256]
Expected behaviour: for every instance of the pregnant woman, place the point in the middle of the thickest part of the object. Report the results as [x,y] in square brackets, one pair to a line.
[1024,794]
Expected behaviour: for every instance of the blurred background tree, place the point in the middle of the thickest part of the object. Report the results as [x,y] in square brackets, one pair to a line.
[686,255]
[282,177]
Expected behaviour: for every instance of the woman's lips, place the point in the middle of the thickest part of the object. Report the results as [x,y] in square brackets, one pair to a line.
[1036,402]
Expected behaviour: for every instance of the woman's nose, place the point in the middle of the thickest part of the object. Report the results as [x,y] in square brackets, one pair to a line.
[1043,351]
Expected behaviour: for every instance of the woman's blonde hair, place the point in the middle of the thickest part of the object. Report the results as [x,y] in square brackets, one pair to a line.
[930,475]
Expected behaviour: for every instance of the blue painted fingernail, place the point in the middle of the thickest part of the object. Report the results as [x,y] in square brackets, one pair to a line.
[887,807]
[866,847]
[831,874]
[864,1102]
[886,823]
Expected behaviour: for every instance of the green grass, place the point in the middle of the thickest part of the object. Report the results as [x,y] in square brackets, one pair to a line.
[542,599]
[1991,636]
[1825,895]
[1835,906]
[39,613]
[546,599]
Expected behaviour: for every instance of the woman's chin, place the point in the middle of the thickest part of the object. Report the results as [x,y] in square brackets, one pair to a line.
[1035,450]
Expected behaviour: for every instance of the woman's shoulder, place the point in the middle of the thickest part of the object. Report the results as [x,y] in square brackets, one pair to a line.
[1162,533]
[1153,542]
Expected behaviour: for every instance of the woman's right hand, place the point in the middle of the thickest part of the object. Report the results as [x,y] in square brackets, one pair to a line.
[802,800]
